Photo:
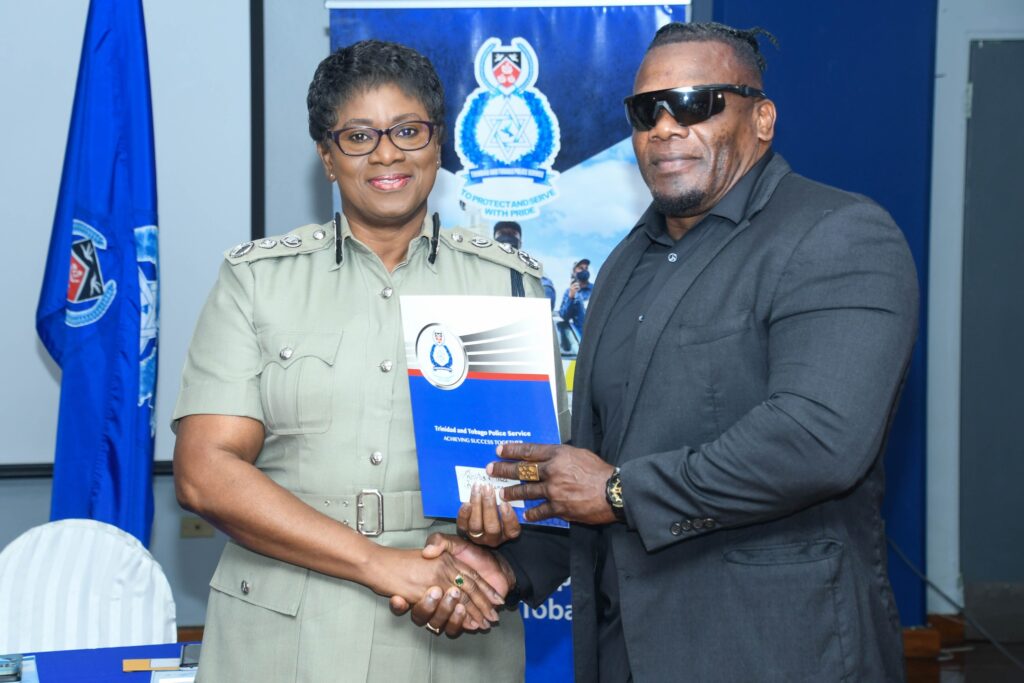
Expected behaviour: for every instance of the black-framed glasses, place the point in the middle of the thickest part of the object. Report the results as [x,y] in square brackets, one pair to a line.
[688,106]
[408,136]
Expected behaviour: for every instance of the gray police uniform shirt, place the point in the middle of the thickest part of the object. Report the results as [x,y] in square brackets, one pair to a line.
[313,348]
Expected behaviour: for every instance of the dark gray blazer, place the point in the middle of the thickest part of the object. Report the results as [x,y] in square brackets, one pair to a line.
[760,395]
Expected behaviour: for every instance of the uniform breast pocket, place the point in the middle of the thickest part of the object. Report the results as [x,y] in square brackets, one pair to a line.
[297,382]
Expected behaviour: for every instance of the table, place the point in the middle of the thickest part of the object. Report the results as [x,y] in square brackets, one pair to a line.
[102,665]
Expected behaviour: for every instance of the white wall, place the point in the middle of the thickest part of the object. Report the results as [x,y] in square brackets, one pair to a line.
[959,22]
[295,38]
[199,71]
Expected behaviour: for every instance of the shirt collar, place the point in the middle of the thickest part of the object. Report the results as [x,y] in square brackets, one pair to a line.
[419,247]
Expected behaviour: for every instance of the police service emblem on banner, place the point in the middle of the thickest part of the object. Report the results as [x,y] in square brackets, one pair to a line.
[506,135]
[89,296]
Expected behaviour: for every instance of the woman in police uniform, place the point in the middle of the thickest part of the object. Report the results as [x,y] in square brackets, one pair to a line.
[294,428]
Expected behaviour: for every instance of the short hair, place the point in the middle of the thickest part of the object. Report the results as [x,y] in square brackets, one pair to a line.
[508,225]
[743,42]
[366,65]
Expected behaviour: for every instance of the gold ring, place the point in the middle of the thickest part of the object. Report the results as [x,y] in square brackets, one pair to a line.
[459,581]
[478,534]
[433,629]
[528,471]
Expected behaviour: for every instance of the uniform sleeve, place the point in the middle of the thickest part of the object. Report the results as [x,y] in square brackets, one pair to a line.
[222,368]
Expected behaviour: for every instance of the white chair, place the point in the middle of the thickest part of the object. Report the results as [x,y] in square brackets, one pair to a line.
[79,583]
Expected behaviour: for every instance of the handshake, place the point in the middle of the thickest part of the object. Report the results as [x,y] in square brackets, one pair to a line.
[467,581]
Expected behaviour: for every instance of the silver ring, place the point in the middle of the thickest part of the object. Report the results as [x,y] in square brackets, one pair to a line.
[478,534]
[433,629]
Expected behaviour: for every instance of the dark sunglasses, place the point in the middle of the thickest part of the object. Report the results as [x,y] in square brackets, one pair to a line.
[688,106]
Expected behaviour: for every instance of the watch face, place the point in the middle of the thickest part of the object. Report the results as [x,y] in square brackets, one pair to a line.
[615,491]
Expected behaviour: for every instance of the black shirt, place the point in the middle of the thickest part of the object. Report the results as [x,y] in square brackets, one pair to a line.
[613,355]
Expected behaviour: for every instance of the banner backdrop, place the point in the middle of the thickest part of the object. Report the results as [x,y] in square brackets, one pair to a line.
[535,134]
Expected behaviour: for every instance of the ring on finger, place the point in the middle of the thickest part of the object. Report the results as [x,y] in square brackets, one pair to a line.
[476,534]
[528,471]
[433,629]
[459,580]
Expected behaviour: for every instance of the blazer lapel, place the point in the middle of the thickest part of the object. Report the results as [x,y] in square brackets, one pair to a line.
[614,275]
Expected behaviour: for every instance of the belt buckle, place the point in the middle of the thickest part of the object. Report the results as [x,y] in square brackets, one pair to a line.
[380,512]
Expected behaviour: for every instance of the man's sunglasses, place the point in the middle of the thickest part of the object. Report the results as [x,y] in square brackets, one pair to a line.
[688,106]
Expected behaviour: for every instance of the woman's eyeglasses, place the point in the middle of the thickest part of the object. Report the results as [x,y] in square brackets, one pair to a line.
[688,106]
[408,136]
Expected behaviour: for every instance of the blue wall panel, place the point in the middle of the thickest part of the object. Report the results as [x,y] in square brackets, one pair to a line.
[853,83]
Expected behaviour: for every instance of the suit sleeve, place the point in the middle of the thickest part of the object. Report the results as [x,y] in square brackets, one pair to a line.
[840,332]
[540,560]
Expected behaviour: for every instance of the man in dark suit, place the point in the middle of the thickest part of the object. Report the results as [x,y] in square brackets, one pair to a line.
[743,355]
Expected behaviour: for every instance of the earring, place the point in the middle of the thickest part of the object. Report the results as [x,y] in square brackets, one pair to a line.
[439,162]
[330,176]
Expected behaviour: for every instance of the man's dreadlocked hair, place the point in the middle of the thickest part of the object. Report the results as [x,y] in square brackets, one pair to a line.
[743,42]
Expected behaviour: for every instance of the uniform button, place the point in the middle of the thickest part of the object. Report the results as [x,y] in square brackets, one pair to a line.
[672,258]
[698,523]
[386,293]
[376,457]
[245,587]
[686,525]
[640,318]
[319,235]
[327,503]
[286,352]
[710,523]
[386,365]
[676,528]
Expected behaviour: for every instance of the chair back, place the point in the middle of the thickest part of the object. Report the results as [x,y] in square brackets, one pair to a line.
[78,583]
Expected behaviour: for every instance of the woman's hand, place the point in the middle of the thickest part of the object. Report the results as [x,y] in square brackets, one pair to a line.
[484,521]
[410,575]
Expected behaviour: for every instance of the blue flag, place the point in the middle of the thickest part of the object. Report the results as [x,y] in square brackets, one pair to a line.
[98,309]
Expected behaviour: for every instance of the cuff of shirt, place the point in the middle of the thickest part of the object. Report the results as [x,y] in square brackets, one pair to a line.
[241,399]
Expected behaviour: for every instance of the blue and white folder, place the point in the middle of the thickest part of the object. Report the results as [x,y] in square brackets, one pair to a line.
[481,373]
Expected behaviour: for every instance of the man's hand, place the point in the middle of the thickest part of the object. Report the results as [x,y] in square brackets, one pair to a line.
[572,482]
[573,288]
[448,614]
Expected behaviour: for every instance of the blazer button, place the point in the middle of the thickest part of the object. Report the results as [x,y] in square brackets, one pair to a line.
[676,528]
[698,524]
[710,523]
[686,525]
[245,587]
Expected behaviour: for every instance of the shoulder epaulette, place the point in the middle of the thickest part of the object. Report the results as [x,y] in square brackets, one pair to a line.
[506,255]
[302,240]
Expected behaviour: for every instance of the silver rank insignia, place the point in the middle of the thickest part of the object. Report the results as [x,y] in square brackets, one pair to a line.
[480,242]
[267,243]
[529,260]
[241,250]
[456,237]
[291,241]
